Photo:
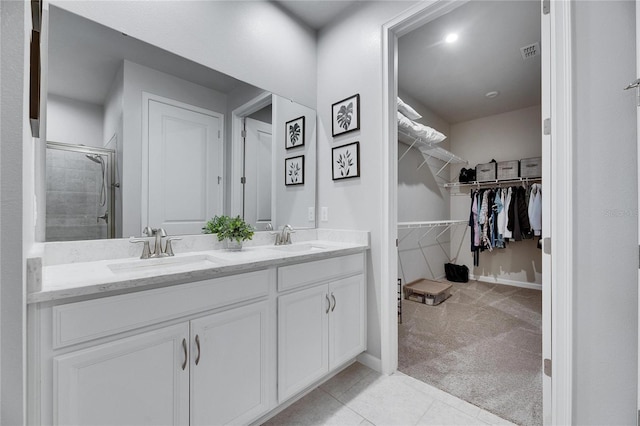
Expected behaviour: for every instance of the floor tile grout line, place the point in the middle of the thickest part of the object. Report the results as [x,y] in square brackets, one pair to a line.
[347,407]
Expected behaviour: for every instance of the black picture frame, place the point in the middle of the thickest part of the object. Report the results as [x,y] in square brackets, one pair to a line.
[294,170]
[345,161]
[345,115]
[294,133]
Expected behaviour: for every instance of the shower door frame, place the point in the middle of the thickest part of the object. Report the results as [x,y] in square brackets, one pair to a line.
[111,170]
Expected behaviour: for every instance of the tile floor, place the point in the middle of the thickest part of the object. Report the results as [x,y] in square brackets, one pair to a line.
[360,396]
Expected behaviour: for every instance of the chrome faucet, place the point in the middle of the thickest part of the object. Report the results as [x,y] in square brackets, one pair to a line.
[284,237]
[159,234]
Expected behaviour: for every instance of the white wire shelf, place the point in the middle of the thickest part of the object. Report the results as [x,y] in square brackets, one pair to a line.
[492,183]
[429,150]
[430,224]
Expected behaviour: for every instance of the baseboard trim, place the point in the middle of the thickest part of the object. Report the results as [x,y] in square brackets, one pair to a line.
[370,361]
[503,281]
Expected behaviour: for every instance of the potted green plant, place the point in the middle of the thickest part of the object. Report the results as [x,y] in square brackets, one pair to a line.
[231,230]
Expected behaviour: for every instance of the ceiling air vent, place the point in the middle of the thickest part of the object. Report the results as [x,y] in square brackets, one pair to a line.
[530,51]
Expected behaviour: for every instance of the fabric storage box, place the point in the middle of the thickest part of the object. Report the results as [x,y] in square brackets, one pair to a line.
[508,170]
[531,167]
[485,172]
[427,291]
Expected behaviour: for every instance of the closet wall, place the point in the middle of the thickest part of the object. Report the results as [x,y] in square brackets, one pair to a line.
[421,197]
[509,136]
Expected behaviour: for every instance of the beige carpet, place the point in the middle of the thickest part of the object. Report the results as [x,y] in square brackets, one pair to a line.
[483,345]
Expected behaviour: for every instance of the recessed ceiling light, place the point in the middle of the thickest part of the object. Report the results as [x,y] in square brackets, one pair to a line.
[450,38]
[492,94]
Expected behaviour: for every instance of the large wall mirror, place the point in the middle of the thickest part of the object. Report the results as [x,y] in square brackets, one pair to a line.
[138,136]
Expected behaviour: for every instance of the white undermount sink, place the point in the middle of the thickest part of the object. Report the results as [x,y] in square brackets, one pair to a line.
[164,264]
[300,248]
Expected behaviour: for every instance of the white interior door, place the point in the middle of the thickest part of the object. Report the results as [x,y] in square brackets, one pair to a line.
[546,218]
[185,166]
[258,170]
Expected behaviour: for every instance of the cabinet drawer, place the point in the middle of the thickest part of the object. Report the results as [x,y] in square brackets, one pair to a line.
[303,274]
[82,321]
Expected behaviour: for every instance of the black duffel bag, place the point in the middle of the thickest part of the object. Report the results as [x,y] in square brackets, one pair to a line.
[456,273]
[467,175]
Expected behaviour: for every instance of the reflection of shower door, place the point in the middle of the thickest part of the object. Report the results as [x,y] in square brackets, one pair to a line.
[79,200]
[257,171]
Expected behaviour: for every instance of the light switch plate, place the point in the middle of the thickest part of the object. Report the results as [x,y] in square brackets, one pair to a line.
[311,214]
[324,214]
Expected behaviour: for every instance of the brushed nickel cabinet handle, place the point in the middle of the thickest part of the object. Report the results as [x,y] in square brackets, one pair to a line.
[198,346]
[186,356]
[334,302]
[328,304]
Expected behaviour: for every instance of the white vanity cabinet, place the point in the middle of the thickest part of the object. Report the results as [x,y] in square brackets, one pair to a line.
[212,363]
[321,326]
[134,381]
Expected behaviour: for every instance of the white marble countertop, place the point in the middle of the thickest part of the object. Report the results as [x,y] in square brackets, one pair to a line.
[67,280]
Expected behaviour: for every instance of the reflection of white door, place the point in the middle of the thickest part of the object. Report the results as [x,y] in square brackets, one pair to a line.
[185,166]
[257,171]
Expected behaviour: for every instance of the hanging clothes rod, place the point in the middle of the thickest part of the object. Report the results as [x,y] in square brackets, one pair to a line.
[492,183]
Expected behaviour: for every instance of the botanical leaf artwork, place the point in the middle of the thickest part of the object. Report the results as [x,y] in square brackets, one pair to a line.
[344,115]
[294,172]
[345,161]
[294,133]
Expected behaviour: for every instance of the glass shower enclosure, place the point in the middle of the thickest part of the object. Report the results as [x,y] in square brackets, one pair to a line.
[80,192]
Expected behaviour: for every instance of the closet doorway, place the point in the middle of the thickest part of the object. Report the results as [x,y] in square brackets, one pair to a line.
[456,67]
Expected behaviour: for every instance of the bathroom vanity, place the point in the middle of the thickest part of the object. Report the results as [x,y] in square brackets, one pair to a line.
[210,337]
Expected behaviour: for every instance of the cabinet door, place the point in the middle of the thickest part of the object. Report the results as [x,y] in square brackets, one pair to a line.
[229,366]
[138,380]
[302,339]
[346,320]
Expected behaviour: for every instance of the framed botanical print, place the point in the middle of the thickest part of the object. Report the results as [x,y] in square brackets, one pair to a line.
[294,170]
[345,161]
[345,115]
[294,133]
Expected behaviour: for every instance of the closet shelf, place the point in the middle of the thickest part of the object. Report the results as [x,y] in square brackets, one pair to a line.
[430,224]
[492,183]
[428,150]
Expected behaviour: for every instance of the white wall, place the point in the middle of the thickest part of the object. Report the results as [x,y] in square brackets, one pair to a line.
[138,79]
[73,121]
[292,202]
[16,195]
[509,136]
[113,136]
[421,197]
[606,223]
[254,41]
[356,203]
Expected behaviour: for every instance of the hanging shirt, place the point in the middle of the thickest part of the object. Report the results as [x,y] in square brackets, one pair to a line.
[507,205]
[535,209]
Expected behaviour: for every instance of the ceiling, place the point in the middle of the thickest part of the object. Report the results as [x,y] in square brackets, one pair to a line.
[451,79]
[85,57]
[316,14]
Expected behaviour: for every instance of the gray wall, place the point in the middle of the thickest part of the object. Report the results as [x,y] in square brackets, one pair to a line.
[606,230]
[13,137]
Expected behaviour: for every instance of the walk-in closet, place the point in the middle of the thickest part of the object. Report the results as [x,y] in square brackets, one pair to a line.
[470,195]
